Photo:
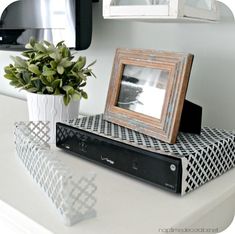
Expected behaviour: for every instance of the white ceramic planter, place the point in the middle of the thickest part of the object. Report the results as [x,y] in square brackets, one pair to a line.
[51,108]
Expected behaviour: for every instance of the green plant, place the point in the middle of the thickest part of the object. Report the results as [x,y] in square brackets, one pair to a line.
[49,69]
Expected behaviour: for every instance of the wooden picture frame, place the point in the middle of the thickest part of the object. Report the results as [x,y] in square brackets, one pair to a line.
[147,91]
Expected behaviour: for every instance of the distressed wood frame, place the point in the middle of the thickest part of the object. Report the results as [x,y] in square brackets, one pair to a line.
[178,66]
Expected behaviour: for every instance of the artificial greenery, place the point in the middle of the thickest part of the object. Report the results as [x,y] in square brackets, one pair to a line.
[49,69]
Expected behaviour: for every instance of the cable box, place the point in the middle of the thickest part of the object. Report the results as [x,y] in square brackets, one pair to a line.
[179,168]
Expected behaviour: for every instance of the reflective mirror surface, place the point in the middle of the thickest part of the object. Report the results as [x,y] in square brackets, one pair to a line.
[143,90]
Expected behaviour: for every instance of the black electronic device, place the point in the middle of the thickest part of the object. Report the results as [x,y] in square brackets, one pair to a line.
[180,168]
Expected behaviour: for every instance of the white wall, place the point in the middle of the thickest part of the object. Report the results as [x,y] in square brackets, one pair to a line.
[212,82]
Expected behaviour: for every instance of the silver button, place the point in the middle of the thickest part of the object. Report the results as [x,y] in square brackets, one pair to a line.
[173,167]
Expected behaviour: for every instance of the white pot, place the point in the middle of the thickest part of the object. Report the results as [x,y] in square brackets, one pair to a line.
[42,107]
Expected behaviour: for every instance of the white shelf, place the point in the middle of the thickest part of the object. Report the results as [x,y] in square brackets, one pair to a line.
[125,205]
[168,10]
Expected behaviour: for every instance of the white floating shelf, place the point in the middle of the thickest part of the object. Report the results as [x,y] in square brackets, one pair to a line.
[161,10]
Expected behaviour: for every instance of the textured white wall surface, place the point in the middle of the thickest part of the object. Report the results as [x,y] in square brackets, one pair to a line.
[212,82]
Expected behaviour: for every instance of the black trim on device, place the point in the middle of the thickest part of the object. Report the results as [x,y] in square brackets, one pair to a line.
[155,168]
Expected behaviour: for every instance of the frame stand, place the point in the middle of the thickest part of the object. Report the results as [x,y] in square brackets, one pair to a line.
[191,118]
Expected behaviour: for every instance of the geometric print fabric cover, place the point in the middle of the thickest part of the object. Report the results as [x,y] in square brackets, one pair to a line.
[204,157]
[208,163]
[186,143]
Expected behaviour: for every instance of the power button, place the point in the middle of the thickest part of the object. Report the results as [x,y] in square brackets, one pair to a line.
[173,167]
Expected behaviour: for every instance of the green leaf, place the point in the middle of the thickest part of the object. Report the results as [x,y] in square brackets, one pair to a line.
[18,85]
[82,84]
[14,83]
[40,47]
[77,96]
[35,78]
[67,99]
[43,89]
[46,68]
[9,76]
[39,56]
[53,64]
[18,75]
[34,69]
[32,41]
[81,62]
[49,89]
[38,84]
[19,62]
[26,76]
[8,69]
[21,81]
[32,90]
[27,53]
[82,76]
[74,74]
[51,49]
[56,83]
[65,62]
[60,69]
[91,64]
[45,81]
[47,43]
[68,89]
[66,52]
[50,78]
[28,46]
[55,55]
[49,73]
[87,72]
[93,74]
[57,91]
[84,95]
[27,86]
[59,43]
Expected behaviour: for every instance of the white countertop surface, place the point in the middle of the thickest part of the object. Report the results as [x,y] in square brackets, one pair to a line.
[125,205]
